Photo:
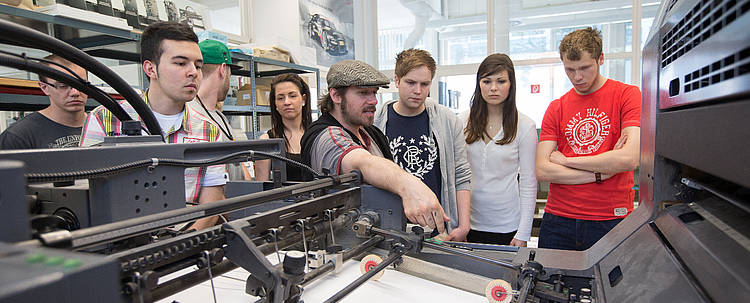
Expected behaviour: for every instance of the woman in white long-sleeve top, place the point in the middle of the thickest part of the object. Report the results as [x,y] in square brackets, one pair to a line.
[502,150]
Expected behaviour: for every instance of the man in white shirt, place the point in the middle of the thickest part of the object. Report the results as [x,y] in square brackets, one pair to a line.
[172,61]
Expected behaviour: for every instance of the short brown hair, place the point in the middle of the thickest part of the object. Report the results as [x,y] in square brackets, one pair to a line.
[57,59]
[208,69]
[325,105]
[574,44]
[414,58]
[156,33]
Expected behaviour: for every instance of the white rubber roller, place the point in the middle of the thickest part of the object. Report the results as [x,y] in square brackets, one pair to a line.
[499,291]
[368,263]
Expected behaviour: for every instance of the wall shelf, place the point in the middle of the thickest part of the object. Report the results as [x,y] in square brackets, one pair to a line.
[119,44]
[25,95]
[261,68]
[79,33]
[244,109]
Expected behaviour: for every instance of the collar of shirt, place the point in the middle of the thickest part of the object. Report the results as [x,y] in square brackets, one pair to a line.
[186,125]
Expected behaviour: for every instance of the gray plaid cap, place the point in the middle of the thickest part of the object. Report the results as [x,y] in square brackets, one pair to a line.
[353,72]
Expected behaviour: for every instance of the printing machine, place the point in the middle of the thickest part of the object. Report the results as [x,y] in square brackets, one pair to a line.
[686,242]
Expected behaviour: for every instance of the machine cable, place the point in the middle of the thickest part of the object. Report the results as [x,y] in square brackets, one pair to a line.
[22,62]
[304,241]
[275,232]
[21,35]
[210,275]
[153,162]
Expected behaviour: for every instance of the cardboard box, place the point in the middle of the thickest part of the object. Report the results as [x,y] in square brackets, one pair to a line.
[262,94]
[273,53]
[244,96]
[264,123]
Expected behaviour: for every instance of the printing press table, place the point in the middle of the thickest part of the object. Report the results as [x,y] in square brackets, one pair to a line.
[394,286]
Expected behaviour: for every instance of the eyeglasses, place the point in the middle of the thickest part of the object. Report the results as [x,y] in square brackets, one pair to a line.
[61,86]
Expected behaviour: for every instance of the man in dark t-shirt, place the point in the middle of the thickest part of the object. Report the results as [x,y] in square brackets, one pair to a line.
[414,148]
[58,125]
[426,139]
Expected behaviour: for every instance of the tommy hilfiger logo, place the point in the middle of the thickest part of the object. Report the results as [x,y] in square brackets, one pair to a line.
[585,133]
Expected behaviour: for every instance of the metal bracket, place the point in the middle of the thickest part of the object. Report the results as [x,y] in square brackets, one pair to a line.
[264,280]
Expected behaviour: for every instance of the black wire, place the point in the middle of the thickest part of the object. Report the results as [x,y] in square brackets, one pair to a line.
[101,172]
[86,83]
[23,63]
[228,132]
[23,55]
[24,36]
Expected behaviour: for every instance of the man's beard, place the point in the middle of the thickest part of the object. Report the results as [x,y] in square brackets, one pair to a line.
[356,119]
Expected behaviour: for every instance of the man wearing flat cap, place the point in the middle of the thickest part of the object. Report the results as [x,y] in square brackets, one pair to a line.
[343,139]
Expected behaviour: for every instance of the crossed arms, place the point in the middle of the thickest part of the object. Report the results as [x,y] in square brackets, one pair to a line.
[552,166]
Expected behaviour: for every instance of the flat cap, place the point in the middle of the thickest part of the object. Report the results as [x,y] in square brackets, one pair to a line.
[353,72]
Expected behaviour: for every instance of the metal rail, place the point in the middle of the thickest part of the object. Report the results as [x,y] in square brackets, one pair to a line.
[131,227]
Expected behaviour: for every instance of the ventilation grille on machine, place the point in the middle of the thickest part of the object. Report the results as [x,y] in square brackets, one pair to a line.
[705,19]
[721,70]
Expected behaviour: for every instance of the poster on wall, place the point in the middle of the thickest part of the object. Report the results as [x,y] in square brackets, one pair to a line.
[328,27]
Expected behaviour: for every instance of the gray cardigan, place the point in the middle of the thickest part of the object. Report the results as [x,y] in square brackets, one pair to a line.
[448,130]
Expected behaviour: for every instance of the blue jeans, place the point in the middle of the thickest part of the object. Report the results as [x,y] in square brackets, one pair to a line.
[559,232]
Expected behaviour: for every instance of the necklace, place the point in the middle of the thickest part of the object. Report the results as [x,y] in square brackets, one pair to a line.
[491,126]
[226,125]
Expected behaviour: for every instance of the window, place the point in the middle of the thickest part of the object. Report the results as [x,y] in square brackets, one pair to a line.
[539,84]
[454,32]
[226,17]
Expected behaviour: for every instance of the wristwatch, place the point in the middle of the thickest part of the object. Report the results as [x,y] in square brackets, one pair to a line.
[598,177]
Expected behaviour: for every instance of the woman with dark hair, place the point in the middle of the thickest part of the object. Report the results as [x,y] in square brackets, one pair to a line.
[290,117]
[502,151]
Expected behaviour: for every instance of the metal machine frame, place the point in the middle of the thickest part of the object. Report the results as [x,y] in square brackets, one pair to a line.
[688,240]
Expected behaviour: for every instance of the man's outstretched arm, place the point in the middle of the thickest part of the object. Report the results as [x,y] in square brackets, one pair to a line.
[420,203]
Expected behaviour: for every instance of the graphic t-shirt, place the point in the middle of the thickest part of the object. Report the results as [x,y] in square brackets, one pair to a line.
[587,125]
[414,148]
[38,131]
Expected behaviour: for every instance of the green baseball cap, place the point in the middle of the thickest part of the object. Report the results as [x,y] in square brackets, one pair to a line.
[215,52]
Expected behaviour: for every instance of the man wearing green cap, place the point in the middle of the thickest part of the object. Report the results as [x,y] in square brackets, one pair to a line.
[217,67]
[343,139]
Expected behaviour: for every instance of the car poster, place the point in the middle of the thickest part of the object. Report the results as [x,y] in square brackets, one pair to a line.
[328,26]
